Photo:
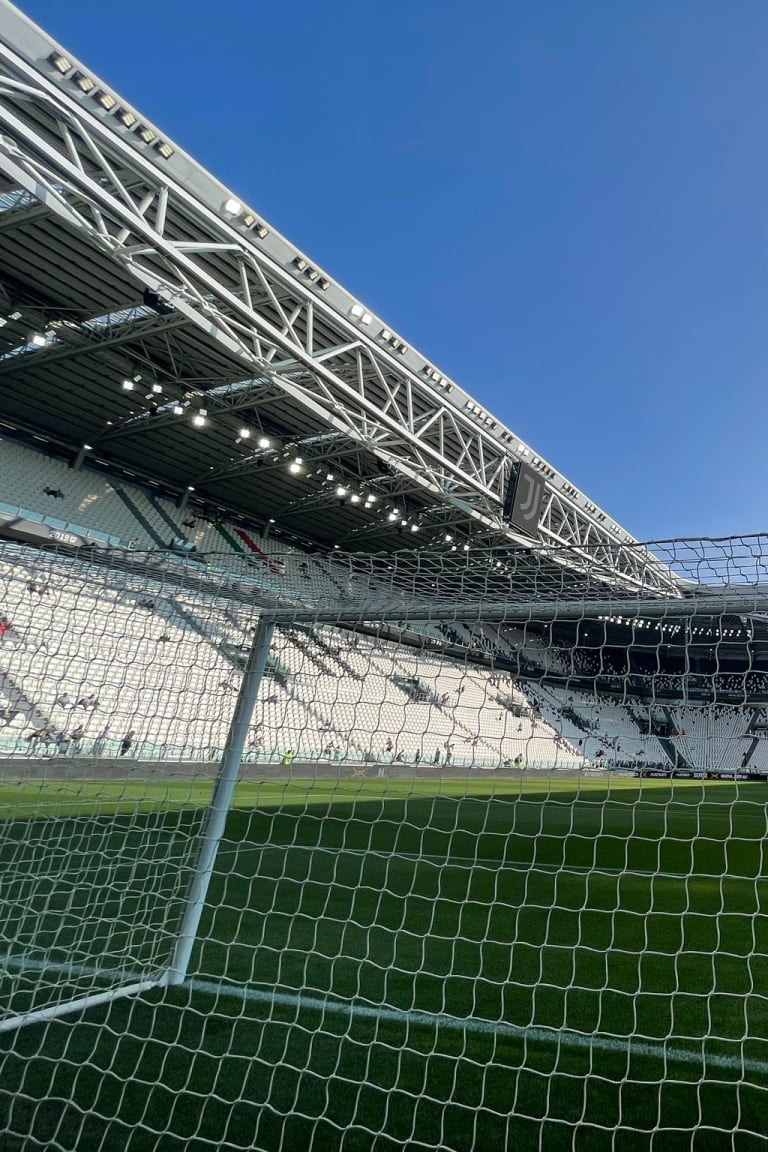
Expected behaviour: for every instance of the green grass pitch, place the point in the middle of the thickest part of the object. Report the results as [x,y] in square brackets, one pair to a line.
[482,964]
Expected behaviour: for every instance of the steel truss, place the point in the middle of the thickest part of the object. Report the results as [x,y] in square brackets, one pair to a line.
[290,334]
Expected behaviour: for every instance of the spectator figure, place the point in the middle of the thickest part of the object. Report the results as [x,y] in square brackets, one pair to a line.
[100,742]
[289,757]
[64,700]
[4,625]
[76,736]
[304,570]
[164,639]
[436,757]
[389,746]
[127,742]
[417,757]
[56,493]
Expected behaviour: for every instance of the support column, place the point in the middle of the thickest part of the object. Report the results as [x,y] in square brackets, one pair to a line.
[217,813]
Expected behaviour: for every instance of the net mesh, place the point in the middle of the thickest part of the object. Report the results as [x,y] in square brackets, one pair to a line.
[492,875]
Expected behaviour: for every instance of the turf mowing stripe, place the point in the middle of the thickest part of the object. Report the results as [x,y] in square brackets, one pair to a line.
[628,1046]
[498,864]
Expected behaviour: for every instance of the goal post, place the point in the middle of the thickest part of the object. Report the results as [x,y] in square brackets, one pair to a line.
[221,800]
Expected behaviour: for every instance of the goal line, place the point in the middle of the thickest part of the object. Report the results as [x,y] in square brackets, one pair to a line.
[562,1038]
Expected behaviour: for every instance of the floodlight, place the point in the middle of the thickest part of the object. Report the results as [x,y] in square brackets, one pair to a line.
[356,311]
[231,207]
[84,83]
[165,150]
[323,284]
[244,433]
[448,537]
[294,467]
[60,63]
[414,527]
[393,516]
[198,420]
[355,499]
[261,231]
[330,476]
[300,263]
[146,134]
[87,447]
[157,389]
[178,410]
[313,273]
[107,100]
[126,117]
[38,339]
[249,219]
[466,547]
[264,442]
[341,491]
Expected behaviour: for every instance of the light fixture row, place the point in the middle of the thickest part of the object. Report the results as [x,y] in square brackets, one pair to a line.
[302,265]
[235,212]
[65,70]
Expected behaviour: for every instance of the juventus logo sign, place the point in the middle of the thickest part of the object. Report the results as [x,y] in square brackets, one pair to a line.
[524,498]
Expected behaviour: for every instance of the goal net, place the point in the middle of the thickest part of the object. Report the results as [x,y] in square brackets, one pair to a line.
[421,851]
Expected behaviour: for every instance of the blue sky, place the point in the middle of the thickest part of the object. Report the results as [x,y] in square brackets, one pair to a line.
[563,203]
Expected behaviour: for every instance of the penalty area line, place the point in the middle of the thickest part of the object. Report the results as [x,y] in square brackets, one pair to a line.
[627,1046]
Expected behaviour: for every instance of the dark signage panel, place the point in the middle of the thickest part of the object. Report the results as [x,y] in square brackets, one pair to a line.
[524,499]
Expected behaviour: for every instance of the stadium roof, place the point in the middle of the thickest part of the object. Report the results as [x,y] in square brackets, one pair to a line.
[151,322]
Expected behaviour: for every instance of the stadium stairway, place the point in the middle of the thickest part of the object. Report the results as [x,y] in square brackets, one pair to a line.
[253,547]
[18,701]
[303,641]
[336,657]
[204,631]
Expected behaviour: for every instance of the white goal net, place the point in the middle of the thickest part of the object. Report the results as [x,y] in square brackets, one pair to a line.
[416,851]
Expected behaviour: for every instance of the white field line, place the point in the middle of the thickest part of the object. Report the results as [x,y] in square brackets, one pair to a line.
[668,1052]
